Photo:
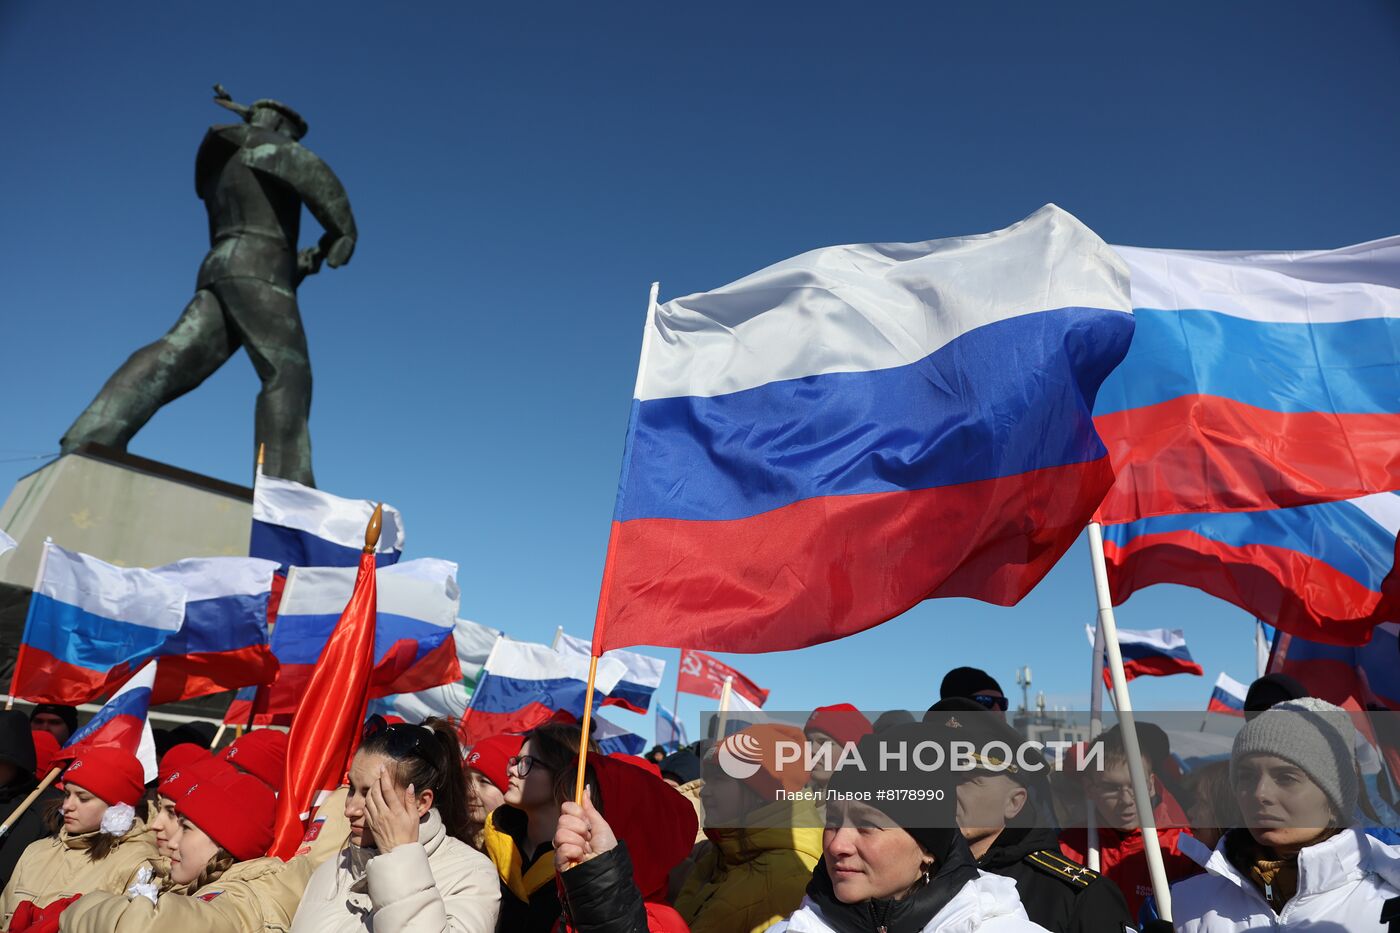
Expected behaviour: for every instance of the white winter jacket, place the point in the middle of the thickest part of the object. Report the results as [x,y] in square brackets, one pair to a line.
[1342,883]
[988,905]
[437,885]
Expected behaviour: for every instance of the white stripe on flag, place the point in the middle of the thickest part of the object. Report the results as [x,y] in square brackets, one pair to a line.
[641,669]
[6,543]
[866,307]
[122,594]
[1302,287]
[216,577]
[423,589]
[334,518]
[521,660]
[1227,684]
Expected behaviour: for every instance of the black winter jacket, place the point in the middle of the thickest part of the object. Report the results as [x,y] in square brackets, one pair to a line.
[1058,894]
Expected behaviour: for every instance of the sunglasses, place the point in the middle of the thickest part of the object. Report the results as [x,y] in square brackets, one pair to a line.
[992,702]
[401,738]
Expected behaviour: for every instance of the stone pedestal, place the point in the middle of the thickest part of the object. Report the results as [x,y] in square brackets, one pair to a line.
[124,509]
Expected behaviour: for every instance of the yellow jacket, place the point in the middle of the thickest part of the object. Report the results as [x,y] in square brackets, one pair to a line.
[59,867]
[257,896]
[747,880]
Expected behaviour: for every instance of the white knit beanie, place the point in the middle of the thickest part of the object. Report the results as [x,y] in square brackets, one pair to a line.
[1312,734]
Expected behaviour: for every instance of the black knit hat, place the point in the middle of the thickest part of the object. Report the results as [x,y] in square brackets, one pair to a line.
[69,714]
[967,682]
[924,803]
[1270,690]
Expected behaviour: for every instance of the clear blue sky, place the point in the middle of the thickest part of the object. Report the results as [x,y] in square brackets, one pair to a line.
[522,172]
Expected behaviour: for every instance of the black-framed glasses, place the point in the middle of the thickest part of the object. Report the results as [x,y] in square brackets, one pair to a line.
[520,765]
[991,701]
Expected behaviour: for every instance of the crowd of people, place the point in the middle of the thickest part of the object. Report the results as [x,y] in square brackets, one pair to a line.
[429,836]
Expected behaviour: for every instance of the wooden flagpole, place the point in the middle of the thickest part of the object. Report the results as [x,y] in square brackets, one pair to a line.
[600,620]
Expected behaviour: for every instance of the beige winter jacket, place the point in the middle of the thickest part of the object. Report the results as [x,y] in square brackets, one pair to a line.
[257,896]
[59,867]
[437,885]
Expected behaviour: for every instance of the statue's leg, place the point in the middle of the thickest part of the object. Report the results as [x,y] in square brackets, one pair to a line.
[156,375]
[268,322]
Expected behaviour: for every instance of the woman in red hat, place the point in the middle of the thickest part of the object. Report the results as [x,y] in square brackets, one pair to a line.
[102,845]
[487,764]
[226,827]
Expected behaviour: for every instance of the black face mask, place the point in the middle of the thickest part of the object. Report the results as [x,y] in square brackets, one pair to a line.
[954,868]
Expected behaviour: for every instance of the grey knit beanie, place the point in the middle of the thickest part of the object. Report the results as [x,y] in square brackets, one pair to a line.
[1315,736]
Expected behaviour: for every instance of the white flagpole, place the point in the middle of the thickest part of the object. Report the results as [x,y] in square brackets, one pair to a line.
[1261,649]
[1095,728]
[1109,627]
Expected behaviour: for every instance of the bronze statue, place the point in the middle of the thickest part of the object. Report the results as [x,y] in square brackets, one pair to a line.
[253,178]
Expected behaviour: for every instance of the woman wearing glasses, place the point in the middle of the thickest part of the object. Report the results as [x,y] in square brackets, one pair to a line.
[519,834]
[408,867]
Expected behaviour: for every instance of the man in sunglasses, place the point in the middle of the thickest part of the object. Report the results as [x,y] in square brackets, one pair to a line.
[974,684]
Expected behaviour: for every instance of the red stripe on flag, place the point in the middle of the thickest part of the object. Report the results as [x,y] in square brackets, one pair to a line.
[1204,453]
[1286,588]
[822,569]
[184,676]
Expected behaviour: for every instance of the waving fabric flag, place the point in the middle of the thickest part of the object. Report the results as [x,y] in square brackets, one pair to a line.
[819,446]
[612,739]
[642,677]
[1228,696]
[448,701]
[296,525]
[324,737]
[523,684]
[704,676]
[222,643]
[1255,381]
[670,732]
[1157,652]
[90,624]
[121,723]
[413,629]
[1323,572]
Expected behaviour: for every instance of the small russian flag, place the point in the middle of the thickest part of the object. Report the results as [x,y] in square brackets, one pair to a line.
[122,723]
[1227,698]
[1157,652]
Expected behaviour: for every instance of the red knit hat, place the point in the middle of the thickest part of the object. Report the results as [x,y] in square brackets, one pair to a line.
[236,810]
[843,722]
[261,753]
[174,784]
[110,774]
[492,757]
[181,756]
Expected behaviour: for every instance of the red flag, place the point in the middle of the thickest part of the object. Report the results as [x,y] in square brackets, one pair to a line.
[704,676]
[327,728]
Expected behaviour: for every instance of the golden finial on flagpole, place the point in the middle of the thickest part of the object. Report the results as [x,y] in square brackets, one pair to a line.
[262,449]
[376,522]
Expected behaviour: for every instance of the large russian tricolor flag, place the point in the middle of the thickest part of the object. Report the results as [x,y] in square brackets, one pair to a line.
[413,644]
[523,684]
[612,739]
[1256,380]
[1363,676]
[1157,652]
[122,723]
[639,681]
[1323,572]
[222,643]
[90,624]
[298,526]
[1227,698]
[822,444]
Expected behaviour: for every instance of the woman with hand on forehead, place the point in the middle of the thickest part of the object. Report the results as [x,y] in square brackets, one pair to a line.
[408,867]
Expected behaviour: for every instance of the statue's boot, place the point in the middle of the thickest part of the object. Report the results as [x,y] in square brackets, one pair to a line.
[266,320]
[157,374]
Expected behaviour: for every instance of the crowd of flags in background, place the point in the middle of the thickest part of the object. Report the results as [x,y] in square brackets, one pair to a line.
[1229,417]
